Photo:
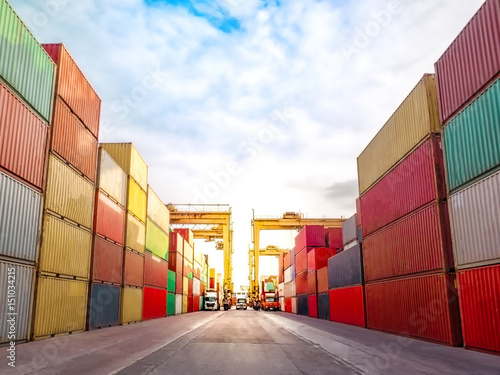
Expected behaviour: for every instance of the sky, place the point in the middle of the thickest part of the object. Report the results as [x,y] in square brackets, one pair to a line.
[263,105]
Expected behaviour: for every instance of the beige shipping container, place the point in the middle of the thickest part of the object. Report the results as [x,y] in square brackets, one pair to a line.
[188,251]
[157,211]
[137,200]
[127,157]
[135,236]
[61,306]
[184,304]
[66,248]
[131,305]
[185,285]
[69,194]
[111,178]
[198,256]
[413,121]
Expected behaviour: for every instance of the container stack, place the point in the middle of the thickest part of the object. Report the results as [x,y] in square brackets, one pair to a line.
[469,95]
[66,244]
[107,244]
[127,157]
[317,278]
[26,98]
[281,279]
[156,258]
[212,278]
[197,264]
[176,265]
[187,268]
[407,254]
[289,286]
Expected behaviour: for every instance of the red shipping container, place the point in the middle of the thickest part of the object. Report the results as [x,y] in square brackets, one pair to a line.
[109,219]
[318,257]
[202,288]
[72,141]
[107,261]
[479,296]
[281,276]
[155,271]
[322,277]
[358,212]
[178,283]
[281,261]
[186,234]
[23,140]
[347,305]
[416,181]
[420,242]
[313,306]
[309,236]
[212,283]
[187,269]
[421,306]
[133,269]
[288,304]
[301,283]
[471,61]
[175,262]
[176,243]
[333,238]
[190,304]
[154,303]
[196,303]
[74,88]
[190,287]
[287,260]
[301,260]
[312,283]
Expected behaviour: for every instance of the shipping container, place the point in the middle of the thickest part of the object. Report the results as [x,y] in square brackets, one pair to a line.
[170,304]
[129,159]
[131,305]
[185,285]
[133,269]
[23,276]
[72,141]
[68,194]
[179,283]
[61,306]
[313,306]
[188,252]
[301,283]
[111,178]
[66,249]
[475,218]
[24,64]
[171,281]
[104,306]
[424,307]
[178,304]
[287,261]
[416,181]
[322,277]
[324,306]
[156,240]
[472,140]
[176,243]
[302,304]
[349,230]
[155,271]
[347,305]
[23,139]
[413,121]
[154,303]
[288,304]
[318,258]
[190,287]
[190,303]
[295,305]
[479,295]
[419,242]
[157,211]
[470,62]
[186,234]
[333,238]
[301,260]
[280,261]
[109,218]
[345,268]
[312,283]
[107,261]
[196,287]
[184,304]
[135,234]
[289,289]
[310,236]
[20,218]
[74,88]
[175,262]
[289,274]
[196,303]
[136,200]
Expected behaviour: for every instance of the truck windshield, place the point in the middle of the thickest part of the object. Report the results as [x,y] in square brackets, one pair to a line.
[242,300]
[269,299]
[210,299]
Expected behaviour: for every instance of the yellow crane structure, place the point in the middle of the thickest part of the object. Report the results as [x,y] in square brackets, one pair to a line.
[210,222]
[290,221]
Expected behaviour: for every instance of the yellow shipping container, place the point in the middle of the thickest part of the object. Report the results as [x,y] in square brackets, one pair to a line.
[65,249]
[212,273]
[111,178]
[127,157]
[157,211]
[137,200]
[413,121]
[184,304]
[135,236]
[188,251]
[61,306]
[69,194]
[185,283]
[131,305]
[198,256]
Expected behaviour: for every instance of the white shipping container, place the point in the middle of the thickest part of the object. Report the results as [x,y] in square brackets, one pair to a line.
[281,289]
[178,304]
[196,286]
[294,305]
[288,275]
[282,303]
[111,178]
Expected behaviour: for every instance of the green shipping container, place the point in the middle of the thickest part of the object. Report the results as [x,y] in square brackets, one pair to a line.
[171,282]
[24,64]
[472,139]
[202,303]
[170,304]
[156,240]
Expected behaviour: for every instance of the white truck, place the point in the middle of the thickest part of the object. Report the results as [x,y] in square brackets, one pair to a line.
[212,301]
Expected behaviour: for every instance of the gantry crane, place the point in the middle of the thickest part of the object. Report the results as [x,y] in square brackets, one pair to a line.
[289,220]
[209,222]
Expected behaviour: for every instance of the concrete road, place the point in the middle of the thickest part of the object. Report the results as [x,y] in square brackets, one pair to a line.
[243,342]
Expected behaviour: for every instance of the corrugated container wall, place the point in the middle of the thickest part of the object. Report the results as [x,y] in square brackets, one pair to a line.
[413,121]
[156,240]
[131,305]
[471,61]
[135,236]
[74,88]
[24,63]
[111,178]
[155,271]
[20,218]
[347,305]
[104,306]
[107,261]
[137,200]
[157,211]
[310,235]
[154,303]
[133,269]
[23,139]
[345,268]
[109,218]
[349,230]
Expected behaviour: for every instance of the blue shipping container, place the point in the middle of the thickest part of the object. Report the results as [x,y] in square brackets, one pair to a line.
[104,306]
[345,268]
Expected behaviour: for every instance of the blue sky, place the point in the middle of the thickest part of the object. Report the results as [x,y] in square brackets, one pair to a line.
[262,105]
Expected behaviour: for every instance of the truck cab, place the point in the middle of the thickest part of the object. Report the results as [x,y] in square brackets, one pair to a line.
[241,303]
[211,301]
[270,301]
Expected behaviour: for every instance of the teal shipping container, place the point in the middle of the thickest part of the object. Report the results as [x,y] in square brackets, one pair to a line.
[171,282]
[170,304]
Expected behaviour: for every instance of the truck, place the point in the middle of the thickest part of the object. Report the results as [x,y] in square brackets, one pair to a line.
[212,300]
[270,301]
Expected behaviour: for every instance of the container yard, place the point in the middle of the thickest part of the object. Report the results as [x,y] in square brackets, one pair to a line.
[96,261]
